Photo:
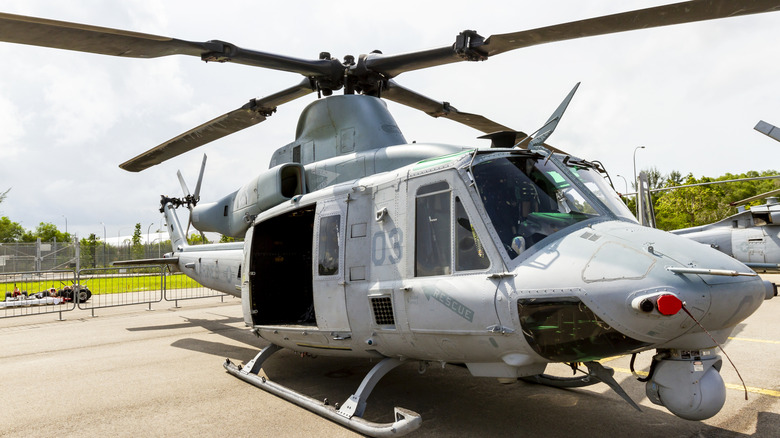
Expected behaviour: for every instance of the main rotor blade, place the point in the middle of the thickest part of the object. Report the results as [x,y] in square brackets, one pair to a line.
[434,108]
[254,112]
[471,47]
[755,198]
[93,39]
[115,42]
[678,13]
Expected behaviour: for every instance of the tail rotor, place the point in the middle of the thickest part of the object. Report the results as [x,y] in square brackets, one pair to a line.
[192,199]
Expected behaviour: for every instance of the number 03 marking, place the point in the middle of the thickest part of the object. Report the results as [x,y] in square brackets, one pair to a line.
[387,246]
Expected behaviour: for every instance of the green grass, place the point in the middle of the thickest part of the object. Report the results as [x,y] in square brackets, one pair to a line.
[106,285]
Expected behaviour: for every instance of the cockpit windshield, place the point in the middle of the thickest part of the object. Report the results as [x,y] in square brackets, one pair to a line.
[528,197]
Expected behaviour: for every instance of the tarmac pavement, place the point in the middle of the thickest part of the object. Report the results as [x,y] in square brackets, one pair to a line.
[129,371]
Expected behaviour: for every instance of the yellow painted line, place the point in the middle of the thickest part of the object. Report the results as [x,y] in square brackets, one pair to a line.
[764,341]
[627,371]
[607,359]
[752,389]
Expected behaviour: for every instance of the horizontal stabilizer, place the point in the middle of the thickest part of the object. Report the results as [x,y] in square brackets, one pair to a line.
[160,261]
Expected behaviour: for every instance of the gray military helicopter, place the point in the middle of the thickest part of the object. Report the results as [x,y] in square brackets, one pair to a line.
[750,236]
[503,260]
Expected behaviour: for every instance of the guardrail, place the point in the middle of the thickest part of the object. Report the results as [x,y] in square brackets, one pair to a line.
[36,293]
[180,287]
[30,293]
[115,287]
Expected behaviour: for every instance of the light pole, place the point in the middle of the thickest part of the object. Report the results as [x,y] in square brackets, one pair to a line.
[148,230]
[104,243]
[159,241]
[66,223]
[625,183]
[635,181]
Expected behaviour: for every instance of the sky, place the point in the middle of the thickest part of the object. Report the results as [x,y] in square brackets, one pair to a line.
[690,94]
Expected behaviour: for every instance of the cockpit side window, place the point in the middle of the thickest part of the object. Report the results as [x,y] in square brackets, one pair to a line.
[527,200]
[432,230]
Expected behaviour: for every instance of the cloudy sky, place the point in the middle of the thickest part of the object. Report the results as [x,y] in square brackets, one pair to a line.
[691,94]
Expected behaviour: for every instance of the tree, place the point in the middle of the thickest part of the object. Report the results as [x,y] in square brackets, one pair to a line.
[693,206]
[3,195]
[89,251]
[674,178]
[47,232]
[10,231]
[138,247]
[196,239]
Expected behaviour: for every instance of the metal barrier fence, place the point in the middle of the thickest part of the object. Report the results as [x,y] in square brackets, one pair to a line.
[112,287]
[36,293]
[90,289]
[180,287]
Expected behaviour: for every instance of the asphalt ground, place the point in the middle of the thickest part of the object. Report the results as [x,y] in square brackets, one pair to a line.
[129,371]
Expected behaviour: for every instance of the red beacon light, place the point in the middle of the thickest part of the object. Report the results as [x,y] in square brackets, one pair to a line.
[668,304]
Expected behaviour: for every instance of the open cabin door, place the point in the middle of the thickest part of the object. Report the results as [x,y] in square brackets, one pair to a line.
[328,265]
[278,265]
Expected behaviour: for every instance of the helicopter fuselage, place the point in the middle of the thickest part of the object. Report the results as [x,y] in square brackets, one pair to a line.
[501,260]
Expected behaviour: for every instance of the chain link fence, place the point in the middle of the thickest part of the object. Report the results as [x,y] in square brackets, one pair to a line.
[49,256]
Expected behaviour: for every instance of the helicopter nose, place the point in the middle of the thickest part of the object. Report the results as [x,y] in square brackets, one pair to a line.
[651,286]
[688,285]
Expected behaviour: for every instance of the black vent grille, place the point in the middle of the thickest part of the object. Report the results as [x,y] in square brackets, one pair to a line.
[383,310]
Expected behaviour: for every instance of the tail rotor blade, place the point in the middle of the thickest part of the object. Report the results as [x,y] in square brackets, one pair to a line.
[196,195]
[184,187]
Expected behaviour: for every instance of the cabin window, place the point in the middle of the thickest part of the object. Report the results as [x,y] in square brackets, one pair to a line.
[432,230]
[328,260]
[469,253]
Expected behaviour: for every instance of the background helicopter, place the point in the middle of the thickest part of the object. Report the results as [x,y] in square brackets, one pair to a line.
[341,130]
[751,236]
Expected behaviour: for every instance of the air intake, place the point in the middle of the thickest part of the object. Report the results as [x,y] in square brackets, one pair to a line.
[383,310]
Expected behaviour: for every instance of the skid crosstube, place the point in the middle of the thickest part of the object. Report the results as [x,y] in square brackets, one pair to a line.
[349,415]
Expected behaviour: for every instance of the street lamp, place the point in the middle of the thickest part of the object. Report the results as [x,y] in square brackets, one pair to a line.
[104,243]
[66,223]
[148,231]
[635,181]
[625,183]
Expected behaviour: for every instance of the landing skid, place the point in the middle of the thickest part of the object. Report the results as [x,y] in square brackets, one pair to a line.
[350,413]
[596,373]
